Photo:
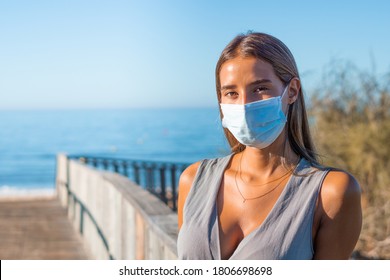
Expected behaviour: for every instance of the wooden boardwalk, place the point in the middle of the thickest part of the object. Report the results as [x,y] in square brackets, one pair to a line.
[33,229]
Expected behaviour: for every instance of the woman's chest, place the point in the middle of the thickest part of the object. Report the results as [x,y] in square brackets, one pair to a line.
[238,219]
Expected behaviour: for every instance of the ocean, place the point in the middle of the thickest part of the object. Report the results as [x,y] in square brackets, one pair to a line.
[31,139]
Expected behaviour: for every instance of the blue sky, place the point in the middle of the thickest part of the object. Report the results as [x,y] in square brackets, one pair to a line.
[117,53]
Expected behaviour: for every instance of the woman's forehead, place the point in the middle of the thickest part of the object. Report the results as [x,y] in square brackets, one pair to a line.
[246,68]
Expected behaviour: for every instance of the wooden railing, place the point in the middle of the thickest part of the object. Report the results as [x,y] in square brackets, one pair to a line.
[159,178]
[116,218]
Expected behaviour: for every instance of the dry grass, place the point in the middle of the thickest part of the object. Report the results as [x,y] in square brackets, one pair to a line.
[351,113]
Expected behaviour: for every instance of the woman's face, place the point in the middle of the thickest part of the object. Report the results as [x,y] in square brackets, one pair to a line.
[246,80]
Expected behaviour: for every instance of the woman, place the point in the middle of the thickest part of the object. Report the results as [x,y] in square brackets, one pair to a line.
[270,198]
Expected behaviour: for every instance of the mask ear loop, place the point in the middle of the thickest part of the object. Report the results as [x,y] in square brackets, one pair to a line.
[285,128]
[281,100]
[284,91]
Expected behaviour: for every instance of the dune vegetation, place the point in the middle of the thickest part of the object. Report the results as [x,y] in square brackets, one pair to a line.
[350,110]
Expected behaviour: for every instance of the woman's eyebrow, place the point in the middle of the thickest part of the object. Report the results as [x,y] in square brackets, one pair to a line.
[261,81]
[228,87]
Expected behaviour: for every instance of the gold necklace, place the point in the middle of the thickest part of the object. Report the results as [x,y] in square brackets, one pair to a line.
[251,198]
[274,180]
[264,194]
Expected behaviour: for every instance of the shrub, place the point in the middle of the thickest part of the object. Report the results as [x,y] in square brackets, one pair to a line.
[350,111]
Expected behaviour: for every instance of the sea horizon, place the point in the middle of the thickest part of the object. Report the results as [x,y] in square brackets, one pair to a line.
[31,139]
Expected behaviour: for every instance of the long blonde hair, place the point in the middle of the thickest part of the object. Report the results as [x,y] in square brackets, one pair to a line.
[275,52]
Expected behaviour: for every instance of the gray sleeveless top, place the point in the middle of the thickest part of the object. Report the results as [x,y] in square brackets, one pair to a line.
[286,233]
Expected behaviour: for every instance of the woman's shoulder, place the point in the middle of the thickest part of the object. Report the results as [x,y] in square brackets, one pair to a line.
[340,193]
[337,182]
[340,215]
[341,181]
[188,175]
[186,181]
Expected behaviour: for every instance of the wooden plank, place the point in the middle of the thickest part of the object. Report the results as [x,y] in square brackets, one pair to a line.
[38,229]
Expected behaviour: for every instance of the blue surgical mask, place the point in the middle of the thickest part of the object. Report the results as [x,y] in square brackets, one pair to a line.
[256,124]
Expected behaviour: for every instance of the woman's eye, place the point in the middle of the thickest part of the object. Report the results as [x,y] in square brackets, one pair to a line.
[260,89]
[231,94]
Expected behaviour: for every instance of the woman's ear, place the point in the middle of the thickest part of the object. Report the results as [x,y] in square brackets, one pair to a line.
[293,90]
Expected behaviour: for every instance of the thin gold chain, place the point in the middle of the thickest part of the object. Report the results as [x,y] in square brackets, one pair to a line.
[251,198]
[274,180]
[264,194]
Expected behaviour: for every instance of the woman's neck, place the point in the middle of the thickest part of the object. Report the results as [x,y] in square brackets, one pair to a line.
[278,156]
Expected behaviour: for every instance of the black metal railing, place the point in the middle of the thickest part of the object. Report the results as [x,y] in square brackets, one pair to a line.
[159,178]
